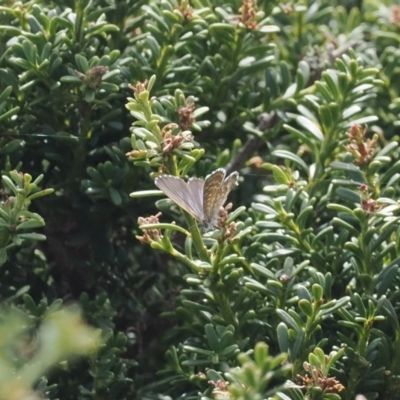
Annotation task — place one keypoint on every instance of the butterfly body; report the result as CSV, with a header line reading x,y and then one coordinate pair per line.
x,y
202,199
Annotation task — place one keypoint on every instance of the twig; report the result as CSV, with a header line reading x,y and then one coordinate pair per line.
x,y
254,143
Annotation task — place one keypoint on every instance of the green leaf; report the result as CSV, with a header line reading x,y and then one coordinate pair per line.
x,y
301,136
146,193
32,236
34,24
214,375
298,344
292,157
10,184
30,51
222,30
29,304
349,195
330,78
30,224
306,308
89,95
282,253
385,278
340,208
302,74
251,64
115,196
323,90
311,127
283,337
302,218
81,63
326,117
288,320
389,148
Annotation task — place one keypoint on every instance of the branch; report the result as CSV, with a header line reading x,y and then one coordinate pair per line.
x,y
254,143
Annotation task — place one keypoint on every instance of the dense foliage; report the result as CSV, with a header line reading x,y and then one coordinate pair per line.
x,y
295,295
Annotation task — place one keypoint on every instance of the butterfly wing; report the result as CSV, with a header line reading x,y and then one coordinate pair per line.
x,y
196,187
216,191
178,191
212,193
230,183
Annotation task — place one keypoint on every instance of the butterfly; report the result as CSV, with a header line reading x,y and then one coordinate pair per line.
x,y
202,199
